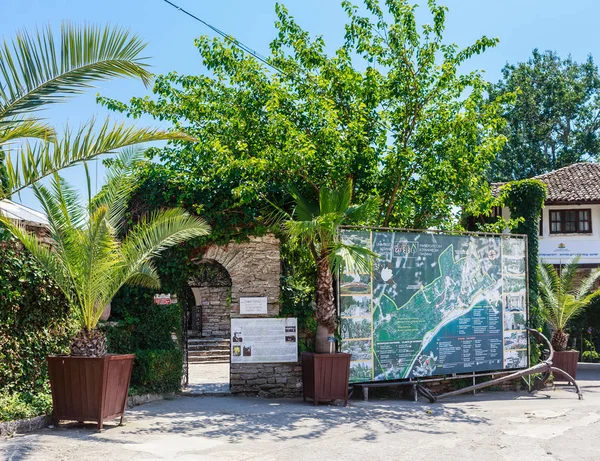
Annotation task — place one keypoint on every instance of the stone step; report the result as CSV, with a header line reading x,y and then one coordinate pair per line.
x,y
205,347
209,359
208,353
209,341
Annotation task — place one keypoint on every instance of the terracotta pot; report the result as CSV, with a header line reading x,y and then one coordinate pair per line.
x,y
566,361
89,388
325,376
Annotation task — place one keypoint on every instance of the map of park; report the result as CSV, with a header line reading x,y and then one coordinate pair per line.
x,y
436,304
461,284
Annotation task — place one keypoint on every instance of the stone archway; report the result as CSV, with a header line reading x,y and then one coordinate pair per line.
x,y
211,287
254,267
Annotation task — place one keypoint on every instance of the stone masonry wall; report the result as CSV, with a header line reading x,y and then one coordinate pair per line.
x,y
215,310
255,269
266,379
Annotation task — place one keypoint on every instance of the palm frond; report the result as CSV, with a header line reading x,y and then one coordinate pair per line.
x,y
363,213
38,160
34,71
587,284
568,274
304,208
335,200
120,183
352,259
161,230
17,130
48,259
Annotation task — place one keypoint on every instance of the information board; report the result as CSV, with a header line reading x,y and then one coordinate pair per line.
x,y
434,304
264,340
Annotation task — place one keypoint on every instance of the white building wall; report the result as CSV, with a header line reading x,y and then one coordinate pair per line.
x,y
561,248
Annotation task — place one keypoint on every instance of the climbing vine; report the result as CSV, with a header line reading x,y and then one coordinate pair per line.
x,y
525,199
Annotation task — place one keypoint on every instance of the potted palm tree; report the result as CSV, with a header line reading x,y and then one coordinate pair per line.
x,y
561,299
89,263
315,224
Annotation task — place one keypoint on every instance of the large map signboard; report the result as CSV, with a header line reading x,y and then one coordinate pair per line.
x,y
434,304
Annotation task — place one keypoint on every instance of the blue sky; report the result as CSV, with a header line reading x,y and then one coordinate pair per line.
x,y
568,27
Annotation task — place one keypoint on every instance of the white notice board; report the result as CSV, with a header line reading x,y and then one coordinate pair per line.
x,y
253,305
264,340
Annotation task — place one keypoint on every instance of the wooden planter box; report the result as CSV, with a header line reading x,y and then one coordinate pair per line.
x,y
325,376
566,361
89,388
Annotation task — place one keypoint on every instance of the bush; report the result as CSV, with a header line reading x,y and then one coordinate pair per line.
x,y
147,330
157,371
34,322
24,405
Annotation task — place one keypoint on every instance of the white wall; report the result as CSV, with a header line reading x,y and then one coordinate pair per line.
x,y
560,248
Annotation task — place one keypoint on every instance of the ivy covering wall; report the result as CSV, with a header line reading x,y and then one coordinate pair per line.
x,y
525,199
34,322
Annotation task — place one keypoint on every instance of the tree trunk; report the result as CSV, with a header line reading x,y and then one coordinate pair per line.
x,y
559,340
326,311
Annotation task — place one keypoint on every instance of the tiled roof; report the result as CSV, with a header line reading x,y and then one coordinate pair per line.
x,y
579,183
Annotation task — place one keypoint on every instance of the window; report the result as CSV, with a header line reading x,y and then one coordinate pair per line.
x,y
570,221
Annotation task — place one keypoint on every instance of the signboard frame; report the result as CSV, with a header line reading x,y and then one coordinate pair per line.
x,y
433,232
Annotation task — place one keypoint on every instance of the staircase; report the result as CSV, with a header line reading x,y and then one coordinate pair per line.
x,y
208,350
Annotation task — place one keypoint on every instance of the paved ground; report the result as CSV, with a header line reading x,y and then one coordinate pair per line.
x,y
208,378
552,425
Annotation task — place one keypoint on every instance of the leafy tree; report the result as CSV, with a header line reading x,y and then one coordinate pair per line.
x,y
35,72
443,135
556,118
388,110
561,298
314,224
86,260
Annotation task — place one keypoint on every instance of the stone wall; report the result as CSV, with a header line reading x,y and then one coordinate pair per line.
x,y
266,379
215,310
254,268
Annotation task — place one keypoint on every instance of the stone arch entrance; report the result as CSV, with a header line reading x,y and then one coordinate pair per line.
x,y
226,273
211,287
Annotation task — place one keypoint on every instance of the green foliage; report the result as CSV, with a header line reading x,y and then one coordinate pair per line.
x,y
562,296
35,72
87,260
553,122
148,330
525,200
157,371
589,355
24,405
389,110
34,320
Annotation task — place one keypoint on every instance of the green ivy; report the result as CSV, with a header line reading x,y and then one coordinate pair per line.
x,y
525,199
34,322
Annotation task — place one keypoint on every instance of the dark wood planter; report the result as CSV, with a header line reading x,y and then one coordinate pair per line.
x,y
325,376
89,388
566,361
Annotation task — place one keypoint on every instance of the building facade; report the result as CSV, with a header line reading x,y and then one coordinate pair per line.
x,y
570,220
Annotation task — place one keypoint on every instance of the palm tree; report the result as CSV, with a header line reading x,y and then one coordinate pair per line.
x,y
35,71
561,298
316,225
87,260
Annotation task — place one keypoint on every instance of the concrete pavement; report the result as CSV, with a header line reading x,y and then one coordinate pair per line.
x,y
551,425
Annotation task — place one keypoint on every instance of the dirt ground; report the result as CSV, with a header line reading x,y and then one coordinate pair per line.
x,y
551,425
